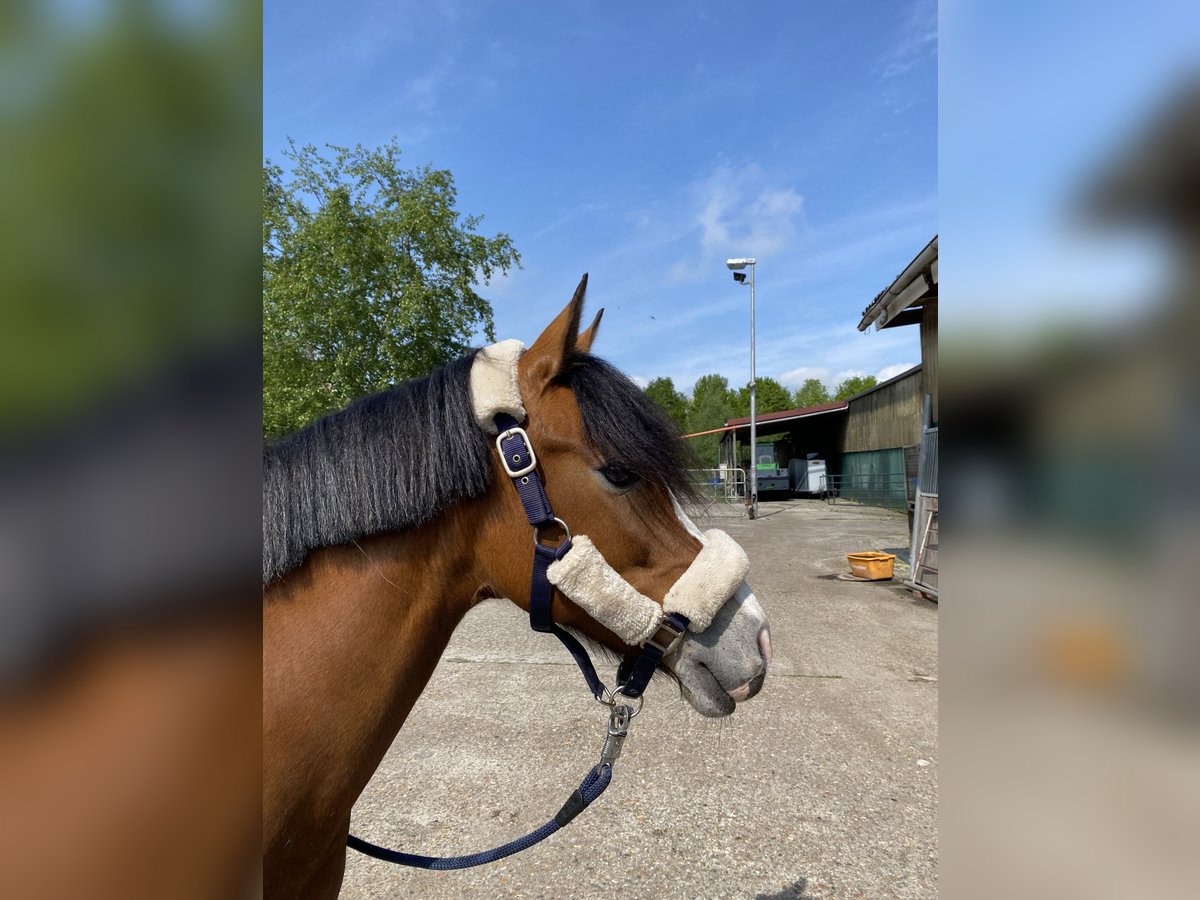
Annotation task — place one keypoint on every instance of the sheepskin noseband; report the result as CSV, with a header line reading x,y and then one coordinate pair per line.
x,y
583,574
591,583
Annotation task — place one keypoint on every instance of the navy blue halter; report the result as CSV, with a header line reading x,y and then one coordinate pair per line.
x,y
520,464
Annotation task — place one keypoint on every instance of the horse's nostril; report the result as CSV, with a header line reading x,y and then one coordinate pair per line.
x,y
756,683
749,689
764,643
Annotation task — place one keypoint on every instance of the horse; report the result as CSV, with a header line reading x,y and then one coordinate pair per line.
x,y
386,522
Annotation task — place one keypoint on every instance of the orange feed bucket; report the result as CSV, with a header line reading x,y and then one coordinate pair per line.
x,y
872,564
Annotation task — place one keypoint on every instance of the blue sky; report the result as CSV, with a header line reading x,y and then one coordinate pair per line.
x,y
646,144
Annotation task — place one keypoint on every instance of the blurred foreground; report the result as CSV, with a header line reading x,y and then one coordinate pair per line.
x,y
130,630
1071,683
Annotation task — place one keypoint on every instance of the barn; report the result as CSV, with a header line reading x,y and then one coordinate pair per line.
x,y
912,299
869,442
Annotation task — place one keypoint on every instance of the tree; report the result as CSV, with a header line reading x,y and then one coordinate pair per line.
x,y
712,403
855,384
811,393
369,277
674,404
769,396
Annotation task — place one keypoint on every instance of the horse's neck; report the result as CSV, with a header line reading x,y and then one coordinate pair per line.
x,y
349,642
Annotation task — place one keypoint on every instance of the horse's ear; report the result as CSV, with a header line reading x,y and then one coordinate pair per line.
x,y
549,353
584,343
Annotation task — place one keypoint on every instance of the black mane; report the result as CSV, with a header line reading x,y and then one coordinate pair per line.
x,y
397,459
387,462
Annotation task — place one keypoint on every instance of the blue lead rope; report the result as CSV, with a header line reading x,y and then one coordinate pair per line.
x,y
593,786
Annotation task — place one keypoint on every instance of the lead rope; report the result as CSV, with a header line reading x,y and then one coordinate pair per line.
x,y
520,464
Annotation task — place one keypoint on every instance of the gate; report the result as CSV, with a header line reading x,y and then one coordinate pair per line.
x,y
887,490
722,493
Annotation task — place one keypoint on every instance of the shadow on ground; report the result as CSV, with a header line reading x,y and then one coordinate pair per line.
x,y
794,891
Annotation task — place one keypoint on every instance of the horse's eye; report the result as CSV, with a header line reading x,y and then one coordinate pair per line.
x,y
618,476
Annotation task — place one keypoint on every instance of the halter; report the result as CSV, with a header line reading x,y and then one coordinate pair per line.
x,y
578,569
557,566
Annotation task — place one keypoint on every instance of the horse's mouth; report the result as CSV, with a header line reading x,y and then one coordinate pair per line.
x,y
704,691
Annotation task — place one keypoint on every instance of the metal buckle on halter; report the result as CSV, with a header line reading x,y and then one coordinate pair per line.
x,y
667,637
523,470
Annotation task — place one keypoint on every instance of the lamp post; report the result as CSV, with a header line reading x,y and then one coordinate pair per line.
x,y
737,265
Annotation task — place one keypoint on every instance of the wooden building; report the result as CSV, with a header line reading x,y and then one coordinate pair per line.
x,y
912,299
880,441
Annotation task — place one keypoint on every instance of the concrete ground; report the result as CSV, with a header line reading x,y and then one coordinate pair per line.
x,y
825,785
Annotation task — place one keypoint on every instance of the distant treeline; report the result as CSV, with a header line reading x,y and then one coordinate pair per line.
x,y
713,402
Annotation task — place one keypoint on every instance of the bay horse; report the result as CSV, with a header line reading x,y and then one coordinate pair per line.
x,y
386,522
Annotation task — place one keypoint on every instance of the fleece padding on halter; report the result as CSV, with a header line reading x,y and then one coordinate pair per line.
x,y
494,387
709,581
596,587
593,585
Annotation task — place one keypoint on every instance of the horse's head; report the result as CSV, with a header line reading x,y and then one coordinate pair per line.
x,y
613,467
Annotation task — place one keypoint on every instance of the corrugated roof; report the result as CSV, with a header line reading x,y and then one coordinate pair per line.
x,y
788,414
906,275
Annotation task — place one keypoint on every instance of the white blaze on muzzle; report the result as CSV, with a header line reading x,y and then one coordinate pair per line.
x,y
591,583
582,574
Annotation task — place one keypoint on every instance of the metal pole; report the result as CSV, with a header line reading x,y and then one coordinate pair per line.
x,y
753,512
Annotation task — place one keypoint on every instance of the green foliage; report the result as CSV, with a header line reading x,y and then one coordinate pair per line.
x,y
811,393
855,384
674,404
127,218
712,403
769,396
368,279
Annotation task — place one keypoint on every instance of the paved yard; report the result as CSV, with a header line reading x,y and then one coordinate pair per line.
x,y
825,785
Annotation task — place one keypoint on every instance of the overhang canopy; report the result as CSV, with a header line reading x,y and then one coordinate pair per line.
x,y
916,285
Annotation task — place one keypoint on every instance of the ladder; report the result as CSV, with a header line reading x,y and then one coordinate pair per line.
x,y
925,563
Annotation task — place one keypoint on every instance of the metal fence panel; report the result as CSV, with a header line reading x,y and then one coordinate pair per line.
x,y
887,490
927,478
722,493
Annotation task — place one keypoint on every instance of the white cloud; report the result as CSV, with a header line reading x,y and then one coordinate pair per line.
x,y
739,212
640,381
794,378
917,40
893,370
742,213
841,376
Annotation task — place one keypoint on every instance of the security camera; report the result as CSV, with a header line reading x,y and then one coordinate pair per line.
x,y
739,277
